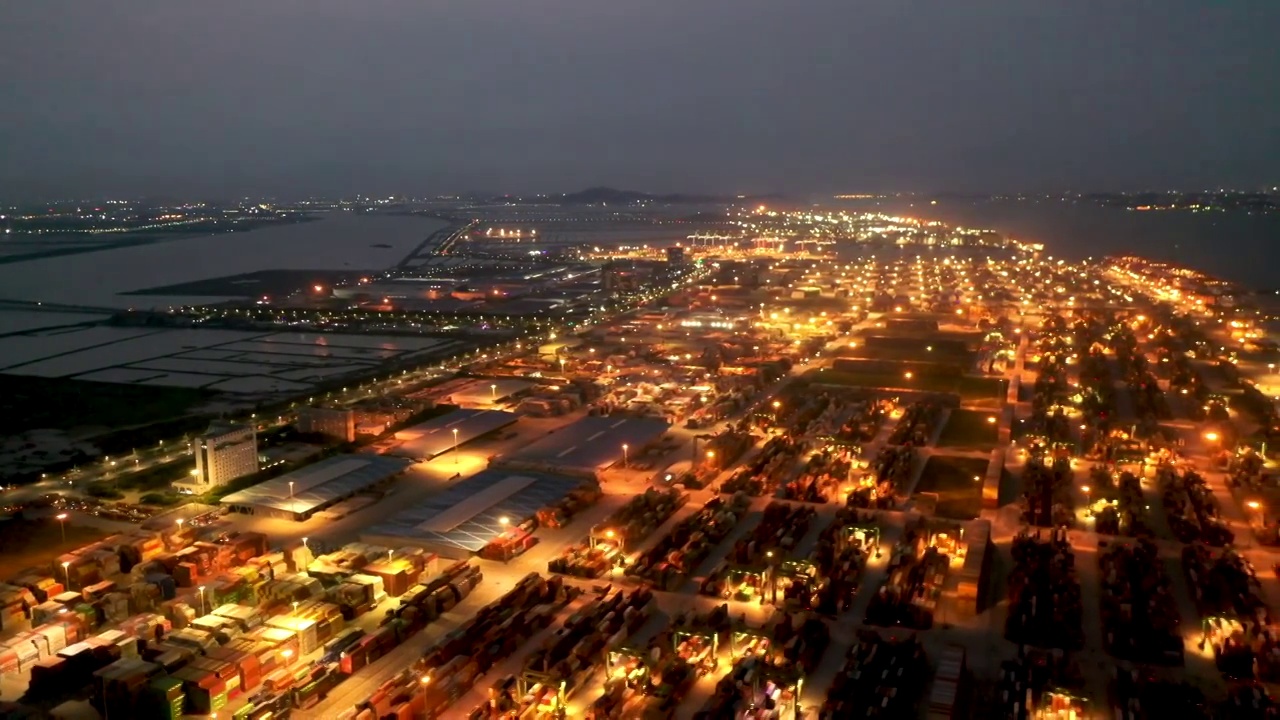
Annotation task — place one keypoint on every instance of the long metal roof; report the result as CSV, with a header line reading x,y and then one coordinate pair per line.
x,y
435,437
592,443
319,484
468,515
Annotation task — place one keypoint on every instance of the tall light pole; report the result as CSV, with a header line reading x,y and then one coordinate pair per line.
x,y
455,446
62,525
290,496
202,610
1256,507
493,392
423,682
624,454
66,573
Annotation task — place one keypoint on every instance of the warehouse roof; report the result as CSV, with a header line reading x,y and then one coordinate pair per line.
x,y
435,436
467,516
321,484
592,443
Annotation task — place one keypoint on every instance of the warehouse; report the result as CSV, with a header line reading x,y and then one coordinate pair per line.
x,y
482,392
300,494
463,519
587,446
440,435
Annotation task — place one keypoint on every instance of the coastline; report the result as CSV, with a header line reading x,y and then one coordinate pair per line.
x,y
1237,247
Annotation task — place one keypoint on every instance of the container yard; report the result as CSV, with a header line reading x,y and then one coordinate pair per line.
x,y
735,506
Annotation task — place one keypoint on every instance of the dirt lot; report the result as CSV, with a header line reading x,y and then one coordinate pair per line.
x,y
959,495
30,543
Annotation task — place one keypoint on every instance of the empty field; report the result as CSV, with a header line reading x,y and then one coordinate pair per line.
x,y
925,354
970,430
958,484
27,402
36,543
981,391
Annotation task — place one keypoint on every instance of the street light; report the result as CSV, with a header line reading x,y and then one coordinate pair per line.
x,y
1211,436
504,521
1088,510
493,392
201,599
1256,507
423,682
455,446
62,525
180,524
624,454
290,494
66,572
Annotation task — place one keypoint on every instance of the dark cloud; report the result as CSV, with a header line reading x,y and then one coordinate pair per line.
x,y
300,96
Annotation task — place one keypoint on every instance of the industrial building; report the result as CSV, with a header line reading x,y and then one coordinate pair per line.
x,y
463,519
336,423
223,453
302,493
586,447
448,432
481,392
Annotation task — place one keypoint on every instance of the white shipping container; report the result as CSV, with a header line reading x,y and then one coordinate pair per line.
x,y
56,636
304,629
379,590
26,651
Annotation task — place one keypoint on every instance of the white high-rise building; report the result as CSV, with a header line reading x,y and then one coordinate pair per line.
x,y
224,453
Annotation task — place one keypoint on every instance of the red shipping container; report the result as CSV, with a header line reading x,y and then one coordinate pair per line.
x,y
213,684
250,680
278,680
354,660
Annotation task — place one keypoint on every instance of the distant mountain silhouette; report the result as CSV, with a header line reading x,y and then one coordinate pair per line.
x,y
613,196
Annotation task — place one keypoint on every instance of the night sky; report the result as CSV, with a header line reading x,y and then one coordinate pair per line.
x,y
293,97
